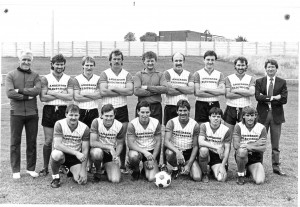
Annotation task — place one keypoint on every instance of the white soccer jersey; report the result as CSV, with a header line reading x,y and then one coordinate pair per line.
x,y
236,83
73,139
88,86
145,137
215,138
116,81
57,86
182,138
209,81
252,135
108,137
181,80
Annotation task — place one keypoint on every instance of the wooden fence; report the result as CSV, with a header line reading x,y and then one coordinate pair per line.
x,y
189,48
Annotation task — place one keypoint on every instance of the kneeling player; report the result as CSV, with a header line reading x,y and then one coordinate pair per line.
x,y
71,147
214,142
144,141
107,142
249,141
181,141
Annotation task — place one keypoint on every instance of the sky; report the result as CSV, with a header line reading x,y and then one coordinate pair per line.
x,y
111,20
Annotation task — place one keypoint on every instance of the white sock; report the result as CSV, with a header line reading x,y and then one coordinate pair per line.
x,y
55,176
241,173
175,168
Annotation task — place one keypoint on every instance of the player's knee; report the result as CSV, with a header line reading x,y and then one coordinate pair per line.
x,y
203,152
242,153
57,155
96,154
221,178
133,156
115,179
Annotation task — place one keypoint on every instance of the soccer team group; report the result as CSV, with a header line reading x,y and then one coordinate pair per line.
x,y
79,139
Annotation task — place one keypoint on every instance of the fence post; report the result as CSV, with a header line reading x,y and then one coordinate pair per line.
x,y
157,46
44,49
242,48
228,48
72,48
171,48
214,46
129,48
256,48
57,46
200,48
87,48
270,48
185,48
100,48
143,47
29,45
16,49
115,44
284,48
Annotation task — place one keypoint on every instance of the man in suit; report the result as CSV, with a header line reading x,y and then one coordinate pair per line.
x,y
271,93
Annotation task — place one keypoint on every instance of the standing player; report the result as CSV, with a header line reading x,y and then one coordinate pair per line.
x,y
271,94
71,147
181,142
149,84
144,142
240,87
87,91
115,85
214,142
22,86
209,84
57,90
249,142
107,142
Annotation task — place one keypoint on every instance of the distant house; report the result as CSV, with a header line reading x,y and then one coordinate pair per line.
x,y
188,35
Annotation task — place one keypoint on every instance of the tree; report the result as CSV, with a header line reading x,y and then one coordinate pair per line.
x,y
129,37
241,39
149,37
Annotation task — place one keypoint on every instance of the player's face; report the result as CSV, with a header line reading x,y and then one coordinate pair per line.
x,y
249,119
25,62
144,114
149,63
271,70
58,67
108,118
215,119
183,113
209,62
178,62
88,68
72,117
116,61
240,67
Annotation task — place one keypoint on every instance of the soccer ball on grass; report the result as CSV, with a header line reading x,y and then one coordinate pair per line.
x,y
162,179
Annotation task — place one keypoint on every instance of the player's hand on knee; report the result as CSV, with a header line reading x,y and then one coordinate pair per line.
x,y
220,151
150,164
116,160
180,158
186,170
149,156
80,156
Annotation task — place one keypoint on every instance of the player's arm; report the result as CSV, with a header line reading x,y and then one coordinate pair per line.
x,y
44,96
120,140
260,144
236,137
32,88
138,90
247,92
66,95
77,96
189,89
131,139
202,139
92,95
171,89
162,88
229,93
195,146
128,90
157,137
281,98
220,90
85,150
10,90
198,90
104,90
227,146
259,95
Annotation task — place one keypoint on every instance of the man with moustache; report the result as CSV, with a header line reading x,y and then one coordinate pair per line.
x,y
22,86
249,142
271,94
149,84
214,146
107,142
57,91
115,85
209,84
181,141
144,142
240,87
71,147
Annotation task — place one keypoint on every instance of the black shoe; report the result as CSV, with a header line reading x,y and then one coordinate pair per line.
x,y
69,174
240,180
97,177
205,178
135,175
164,167
279,172
175,174
55,183
44,172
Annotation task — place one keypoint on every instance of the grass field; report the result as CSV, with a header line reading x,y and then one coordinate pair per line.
x,y
276,191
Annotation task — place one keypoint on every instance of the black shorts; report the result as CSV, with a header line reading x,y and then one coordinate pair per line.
x,y
202,108
70,160
107,157
51,114
170,112
155,111
186,154
232,115
144,159
214,158
88,115
121,114
253,157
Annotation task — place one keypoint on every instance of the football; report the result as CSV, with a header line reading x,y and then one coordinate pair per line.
x,y
162,179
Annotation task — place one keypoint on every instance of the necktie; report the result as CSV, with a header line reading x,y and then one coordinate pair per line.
x,y
270,90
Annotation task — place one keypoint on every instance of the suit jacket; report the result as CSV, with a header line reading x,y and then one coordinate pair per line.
x,y
263,100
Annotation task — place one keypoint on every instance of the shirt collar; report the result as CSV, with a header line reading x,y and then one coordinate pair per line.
x,y
24,71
